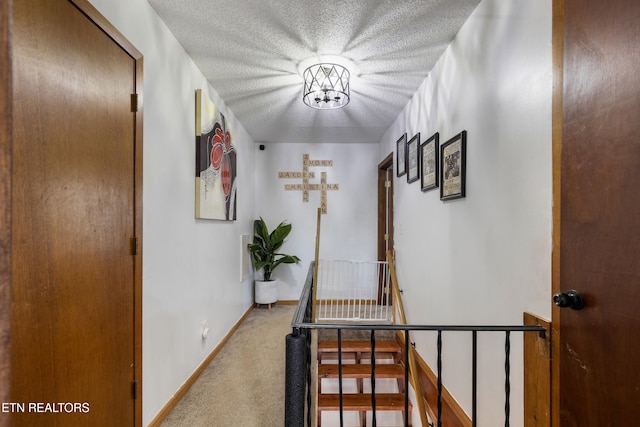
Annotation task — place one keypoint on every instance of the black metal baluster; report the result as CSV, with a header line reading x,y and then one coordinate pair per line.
x,y
307,318
406,378
340,377
373,377
439,378
308,362
507,384
474,381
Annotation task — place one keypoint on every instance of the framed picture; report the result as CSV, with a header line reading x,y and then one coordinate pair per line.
x,y
413,169
429,162
216,166
453,164
401,155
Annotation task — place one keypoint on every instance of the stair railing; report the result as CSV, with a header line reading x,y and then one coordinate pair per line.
x,y
413,369
298,399
298,382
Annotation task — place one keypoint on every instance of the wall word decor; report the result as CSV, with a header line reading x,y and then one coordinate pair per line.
x,y
305,187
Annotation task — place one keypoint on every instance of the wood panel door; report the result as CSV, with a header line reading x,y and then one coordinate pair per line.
x,y
385,207
73,272
5,203
385,219
598,349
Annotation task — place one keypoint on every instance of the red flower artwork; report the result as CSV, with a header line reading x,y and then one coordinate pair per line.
x,y
220,156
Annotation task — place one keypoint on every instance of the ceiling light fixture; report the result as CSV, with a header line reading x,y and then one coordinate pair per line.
x,y
326,86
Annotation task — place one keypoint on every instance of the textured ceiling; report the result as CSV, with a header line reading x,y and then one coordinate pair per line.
x,y
252,52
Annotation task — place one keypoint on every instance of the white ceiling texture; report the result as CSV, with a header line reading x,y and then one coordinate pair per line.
x,y
253,53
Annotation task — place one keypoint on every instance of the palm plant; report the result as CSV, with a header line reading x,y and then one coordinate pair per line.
x,y
265,246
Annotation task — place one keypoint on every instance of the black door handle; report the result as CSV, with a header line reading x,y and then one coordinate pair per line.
x,y
571,299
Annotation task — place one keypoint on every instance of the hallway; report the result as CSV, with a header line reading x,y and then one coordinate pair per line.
x,y
244,384
545,92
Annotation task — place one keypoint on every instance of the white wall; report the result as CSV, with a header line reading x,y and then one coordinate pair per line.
x,y
191,268
348,229
484,259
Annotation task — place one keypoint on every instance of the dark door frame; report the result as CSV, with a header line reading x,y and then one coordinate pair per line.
x,y
556,135
385,212
6,149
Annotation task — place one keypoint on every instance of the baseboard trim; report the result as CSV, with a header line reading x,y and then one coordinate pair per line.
x,y
288,302
452,413
175,399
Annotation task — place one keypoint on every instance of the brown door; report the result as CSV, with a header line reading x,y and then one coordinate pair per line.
x,y
385,206
385,215
599,347
72,354
5,204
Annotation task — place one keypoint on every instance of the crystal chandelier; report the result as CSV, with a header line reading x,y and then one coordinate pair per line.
x,y
326,86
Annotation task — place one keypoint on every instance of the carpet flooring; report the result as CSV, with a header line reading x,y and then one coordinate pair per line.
x,y
243,386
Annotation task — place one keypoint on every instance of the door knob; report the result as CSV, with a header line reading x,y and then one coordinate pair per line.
x,y
571,299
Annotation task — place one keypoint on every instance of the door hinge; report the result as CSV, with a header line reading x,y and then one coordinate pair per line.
x,y
134,390
134,246
386,237
135,102
387,184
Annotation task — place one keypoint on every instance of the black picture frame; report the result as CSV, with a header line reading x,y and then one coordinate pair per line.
x,y
413,160
401,156
429,164
453,167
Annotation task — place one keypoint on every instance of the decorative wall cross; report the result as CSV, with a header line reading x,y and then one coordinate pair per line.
x,y
305,187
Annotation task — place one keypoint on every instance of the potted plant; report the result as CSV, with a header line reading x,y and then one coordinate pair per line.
x,y
265,256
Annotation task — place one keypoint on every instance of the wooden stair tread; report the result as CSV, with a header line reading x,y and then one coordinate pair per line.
x,y
357,357
350,346
361,402
361,371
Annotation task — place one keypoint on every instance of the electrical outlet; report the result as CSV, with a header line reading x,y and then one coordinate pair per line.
x,y
205,330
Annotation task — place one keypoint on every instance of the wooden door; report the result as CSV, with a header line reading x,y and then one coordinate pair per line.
x,y
5,204
73,312
385,216
599,211
385,207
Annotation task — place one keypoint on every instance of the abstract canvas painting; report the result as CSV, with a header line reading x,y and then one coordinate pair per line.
x,y
216,165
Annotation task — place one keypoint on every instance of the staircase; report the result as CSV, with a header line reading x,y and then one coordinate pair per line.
x,y
356,370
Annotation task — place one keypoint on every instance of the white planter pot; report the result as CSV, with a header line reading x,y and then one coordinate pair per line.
x,y
266,291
